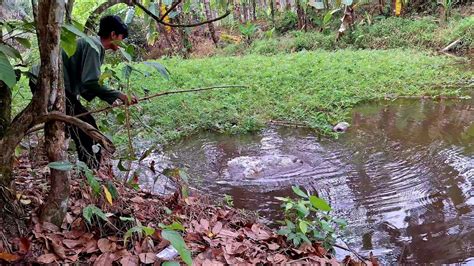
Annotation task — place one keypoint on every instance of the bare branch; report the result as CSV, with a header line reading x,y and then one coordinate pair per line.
x,y
160,20
87,128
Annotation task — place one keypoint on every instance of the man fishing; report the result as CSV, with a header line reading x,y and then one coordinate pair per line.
x,y
81,79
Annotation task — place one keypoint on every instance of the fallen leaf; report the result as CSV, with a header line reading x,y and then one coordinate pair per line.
x,y
129,261
8,257
50,227
217,228
70,243
147,257
277,258
47,258
25,201
108,196
235,248
105,259
91,246
24,245
228,233
106,245
137,199
273,246
204,224
58,249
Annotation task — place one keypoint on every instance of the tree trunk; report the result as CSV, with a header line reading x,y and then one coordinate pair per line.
x,y
50,18
245,10
254,10
300,13
272,8
237,13
207,9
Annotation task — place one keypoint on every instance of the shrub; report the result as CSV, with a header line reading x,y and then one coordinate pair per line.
x,y
286,21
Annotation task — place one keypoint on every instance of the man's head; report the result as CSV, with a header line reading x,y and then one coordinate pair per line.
x,y
111,31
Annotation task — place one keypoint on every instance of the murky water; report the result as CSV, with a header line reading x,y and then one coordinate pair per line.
x,y
402,176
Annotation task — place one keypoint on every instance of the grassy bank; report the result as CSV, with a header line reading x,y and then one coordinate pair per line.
x,y
425,33
317,88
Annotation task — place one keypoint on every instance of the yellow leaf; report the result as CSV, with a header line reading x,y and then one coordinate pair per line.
x,y
398,7
108,196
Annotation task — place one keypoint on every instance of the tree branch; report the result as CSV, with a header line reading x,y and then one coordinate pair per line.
x,y
86,127
160,20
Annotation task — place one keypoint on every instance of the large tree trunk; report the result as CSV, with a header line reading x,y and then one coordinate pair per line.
x,y
50,18
212,30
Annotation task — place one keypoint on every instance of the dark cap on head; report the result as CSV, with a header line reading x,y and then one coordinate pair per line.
x,y
109,24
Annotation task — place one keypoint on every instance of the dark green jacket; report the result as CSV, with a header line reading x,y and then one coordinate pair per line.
x,y
82,72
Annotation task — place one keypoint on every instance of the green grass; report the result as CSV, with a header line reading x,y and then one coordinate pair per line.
x,y
317,88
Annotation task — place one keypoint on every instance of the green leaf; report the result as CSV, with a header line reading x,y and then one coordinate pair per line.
x,y
319,203
129,233
78,32
299,192
302,209
90,210
284,231
23,41
92,181
61,165
112,189
10,51
174,226
327,18
127,71
306,239
7,74
126,55
170,263
148,230
177,242
303,227
282,199
341,222
160,68
68,42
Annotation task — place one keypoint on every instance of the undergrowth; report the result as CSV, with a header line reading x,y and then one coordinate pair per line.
x,y
390,33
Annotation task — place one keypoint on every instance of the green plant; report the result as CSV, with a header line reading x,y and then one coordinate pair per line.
x,y
248,30
307,220
229,201
286,21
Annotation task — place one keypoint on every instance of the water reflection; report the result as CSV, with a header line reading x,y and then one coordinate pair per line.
x,y
402,175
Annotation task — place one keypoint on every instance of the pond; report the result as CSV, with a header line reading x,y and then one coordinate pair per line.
x,y
402,176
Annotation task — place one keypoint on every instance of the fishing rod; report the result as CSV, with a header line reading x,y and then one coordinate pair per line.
x,y
163,93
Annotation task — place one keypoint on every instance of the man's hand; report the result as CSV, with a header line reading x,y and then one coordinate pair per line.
x,y
124,98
